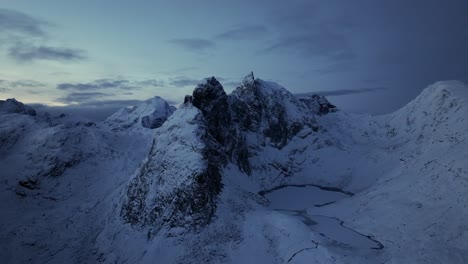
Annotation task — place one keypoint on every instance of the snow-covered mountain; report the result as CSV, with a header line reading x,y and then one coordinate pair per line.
x,y
256,176
151,113
13,106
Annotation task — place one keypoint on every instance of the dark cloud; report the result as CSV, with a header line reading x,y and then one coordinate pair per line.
x,y
28,53
59,73
9,85
16,22
229,82
92,95
92,111
25,39
81,98
110,84
183,81
115,103
181,70
323,44
335,67
244,32
345,91
96,85
151,82
306,30
194,44
26,83
35,91
109,103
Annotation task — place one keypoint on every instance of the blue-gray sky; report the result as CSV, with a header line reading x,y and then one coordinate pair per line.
x,y
367,55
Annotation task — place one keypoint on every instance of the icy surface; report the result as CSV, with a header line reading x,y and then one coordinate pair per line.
x,y
301,197
294,201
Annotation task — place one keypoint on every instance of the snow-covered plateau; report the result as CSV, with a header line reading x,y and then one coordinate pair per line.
x,y
256,176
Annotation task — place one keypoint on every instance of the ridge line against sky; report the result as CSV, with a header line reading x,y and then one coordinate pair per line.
x,y
371,56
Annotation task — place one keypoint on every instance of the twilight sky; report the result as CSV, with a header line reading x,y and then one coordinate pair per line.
x,y
367,55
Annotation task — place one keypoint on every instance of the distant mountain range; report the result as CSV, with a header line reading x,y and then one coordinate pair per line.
x,y
256,176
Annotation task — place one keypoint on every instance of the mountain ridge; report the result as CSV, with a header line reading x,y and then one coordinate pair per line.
x,y
187,192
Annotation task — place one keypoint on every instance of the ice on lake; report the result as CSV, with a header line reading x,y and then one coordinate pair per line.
x,y
295,200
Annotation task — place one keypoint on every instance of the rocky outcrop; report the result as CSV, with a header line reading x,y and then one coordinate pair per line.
x,y
178,183
11,106
318,104
224,134
270,110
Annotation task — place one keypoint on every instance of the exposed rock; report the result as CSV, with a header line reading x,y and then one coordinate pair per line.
x,y
318,104
11,106
212,101
30,184
171,189
268,109
188,99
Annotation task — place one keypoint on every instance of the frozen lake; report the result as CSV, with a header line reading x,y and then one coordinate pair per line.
x,y
294,200
299,197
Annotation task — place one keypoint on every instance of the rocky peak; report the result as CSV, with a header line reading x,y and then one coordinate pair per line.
x,y
11,106
211,99
270,110
248,80
209,95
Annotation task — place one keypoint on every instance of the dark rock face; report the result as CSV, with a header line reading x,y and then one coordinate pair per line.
x,y
189,206
212,101
188,99
167,193
11,106
152,123
271,111
319,104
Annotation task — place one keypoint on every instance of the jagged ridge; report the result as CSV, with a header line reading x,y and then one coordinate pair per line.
x,y
217,124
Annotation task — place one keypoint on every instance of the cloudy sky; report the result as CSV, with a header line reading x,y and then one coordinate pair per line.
x,y
367,55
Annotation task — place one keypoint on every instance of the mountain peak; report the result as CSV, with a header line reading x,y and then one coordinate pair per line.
x,y
12,105
248,79
208,94
151,113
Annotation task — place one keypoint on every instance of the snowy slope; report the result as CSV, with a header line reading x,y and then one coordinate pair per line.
x,y
55,179
151,113
207,185
417,208
10,106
